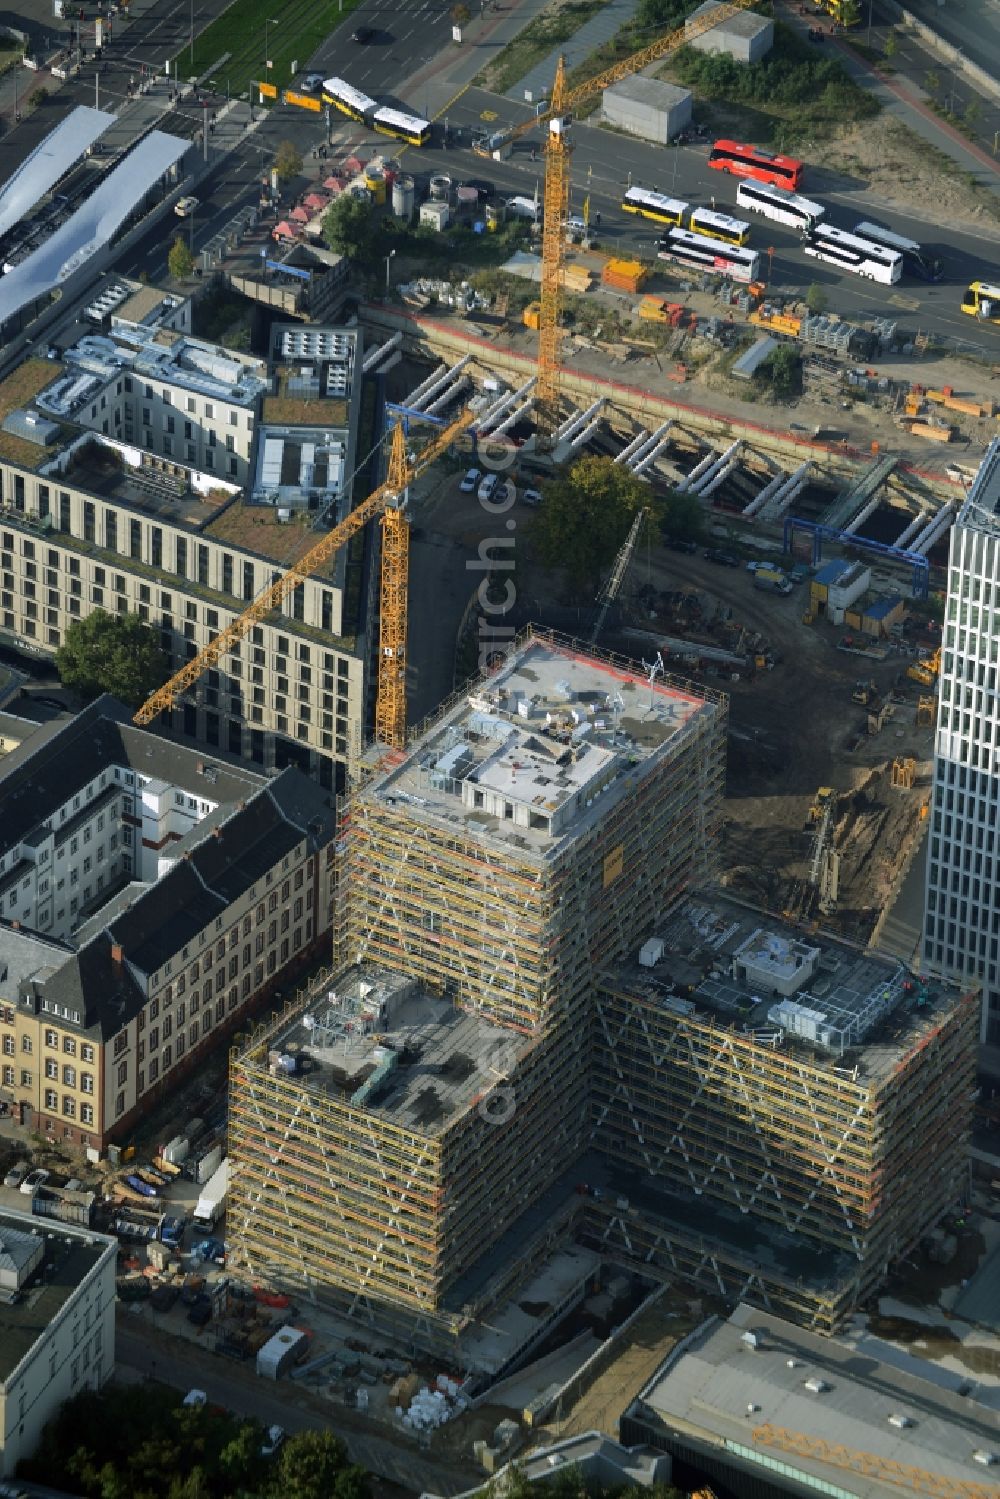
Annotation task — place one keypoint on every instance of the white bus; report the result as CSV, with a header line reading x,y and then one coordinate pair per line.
x,y
402,127
350,101
718,226
915,260
779,204
859,256
702,254
656,206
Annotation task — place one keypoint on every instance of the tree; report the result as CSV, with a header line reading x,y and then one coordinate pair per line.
x,y
973,112
932,81
460,14
891,46
347,228
113,653
683,518
36,97
180,261
782,368
313,1465
287,161
816,299
586,517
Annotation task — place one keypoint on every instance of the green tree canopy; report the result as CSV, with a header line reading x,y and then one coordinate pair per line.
x,y
287,160
313,1465
816,298
114,653
682,518
586,517
347,228
783,369
180,261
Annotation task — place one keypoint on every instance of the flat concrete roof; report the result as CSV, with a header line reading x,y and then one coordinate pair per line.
x,y
743,23
534,756
844,1006
49,162
68,1256
382,1042
92,226
820,1388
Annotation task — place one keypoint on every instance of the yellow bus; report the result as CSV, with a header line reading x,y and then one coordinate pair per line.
x,y
982,300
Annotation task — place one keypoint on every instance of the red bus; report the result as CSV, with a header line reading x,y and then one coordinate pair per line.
x,y
750,161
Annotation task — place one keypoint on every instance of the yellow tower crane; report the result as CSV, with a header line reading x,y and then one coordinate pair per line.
x,y
870,1465
387,501
558,157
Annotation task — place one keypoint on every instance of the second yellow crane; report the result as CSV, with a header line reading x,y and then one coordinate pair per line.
x,y
387,501
558,157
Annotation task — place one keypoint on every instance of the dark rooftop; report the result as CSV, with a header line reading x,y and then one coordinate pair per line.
x,y
69,1256
61,757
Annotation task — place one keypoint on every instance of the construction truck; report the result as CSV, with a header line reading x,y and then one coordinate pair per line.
x,y
497,147
771,580
823,797
864,693
842,12
926,670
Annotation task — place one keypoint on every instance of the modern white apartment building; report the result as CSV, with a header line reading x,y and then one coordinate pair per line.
x,y
962,916
57,1324
147,471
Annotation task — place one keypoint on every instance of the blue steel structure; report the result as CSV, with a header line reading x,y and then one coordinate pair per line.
x,y
821,533
394,409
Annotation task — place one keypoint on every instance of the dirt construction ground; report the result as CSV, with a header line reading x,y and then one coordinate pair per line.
x,y
792,729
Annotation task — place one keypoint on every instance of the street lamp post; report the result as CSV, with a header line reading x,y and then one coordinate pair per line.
x,y
192,34
388,262
267,57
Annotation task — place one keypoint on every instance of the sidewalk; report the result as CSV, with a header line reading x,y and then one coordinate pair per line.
x,y
440,83
902,97
576,49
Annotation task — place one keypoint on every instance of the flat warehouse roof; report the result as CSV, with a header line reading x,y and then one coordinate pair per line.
x,y
49,162
93,224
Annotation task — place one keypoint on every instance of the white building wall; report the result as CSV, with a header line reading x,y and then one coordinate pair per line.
x,y
962,913
76,1351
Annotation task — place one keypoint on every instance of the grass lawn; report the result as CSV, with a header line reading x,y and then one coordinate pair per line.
x,y
555,25
240,32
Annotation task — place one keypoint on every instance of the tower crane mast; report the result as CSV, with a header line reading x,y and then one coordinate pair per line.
x,y
616,577
387,500
558,159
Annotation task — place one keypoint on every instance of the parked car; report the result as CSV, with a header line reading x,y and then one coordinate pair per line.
x,y
311,82
483,188
675,545
185,207
15,1176
363,35
470,481
721,558
488,485
532,497
33,1181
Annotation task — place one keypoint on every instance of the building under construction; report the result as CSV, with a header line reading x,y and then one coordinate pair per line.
x,y
538,1038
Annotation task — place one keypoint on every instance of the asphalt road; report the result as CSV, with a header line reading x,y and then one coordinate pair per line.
x,y
604,162
408,35
144,1349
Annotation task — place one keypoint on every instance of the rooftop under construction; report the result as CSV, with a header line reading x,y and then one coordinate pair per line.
x,y
539,1036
